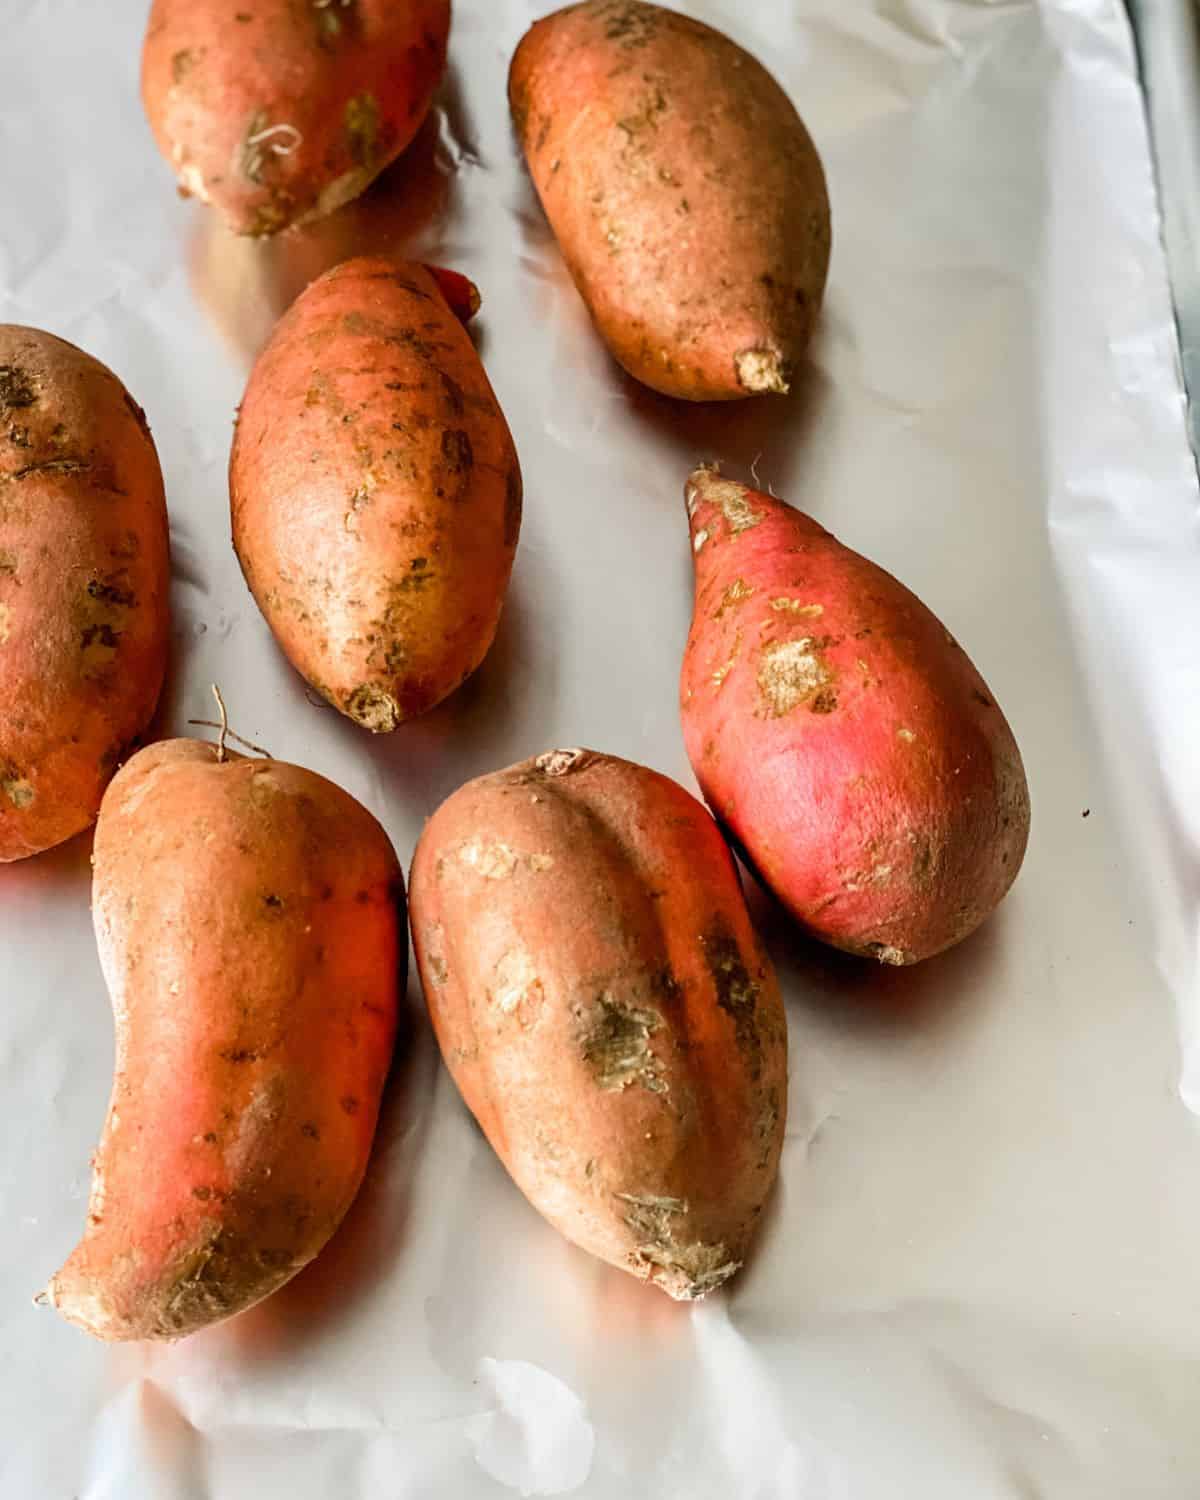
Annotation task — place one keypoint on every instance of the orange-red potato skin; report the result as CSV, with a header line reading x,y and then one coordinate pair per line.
x,y
684,191
375,491
84,586
842,735
604,1006
250,921
279,111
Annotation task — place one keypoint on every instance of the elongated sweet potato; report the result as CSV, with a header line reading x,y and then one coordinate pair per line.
x,y
249,916
84,582
604,1006
278,111
684,191
842,735
376,492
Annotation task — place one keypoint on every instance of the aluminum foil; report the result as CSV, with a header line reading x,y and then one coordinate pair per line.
x,y
977,1277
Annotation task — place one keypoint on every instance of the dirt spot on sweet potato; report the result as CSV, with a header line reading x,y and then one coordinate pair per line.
x,y
362,129
516,989
791,673
374,708
333,19
15,787
614,1041
561,762
17,387
736,594
737,991
8,565
458,453
106,591
182,64
685,1269
628,23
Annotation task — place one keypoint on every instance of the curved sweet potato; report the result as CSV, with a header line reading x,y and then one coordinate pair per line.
x,y
684,191
278,111
84,584
603,1004
376,492
249,916
842,735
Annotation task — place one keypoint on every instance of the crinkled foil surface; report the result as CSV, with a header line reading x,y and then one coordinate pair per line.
x,y
978,1277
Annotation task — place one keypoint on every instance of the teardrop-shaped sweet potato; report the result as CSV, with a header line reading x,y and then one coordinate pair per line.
x,y
279,111
375,490
606,1010
249,916
84,586
842,735
685,193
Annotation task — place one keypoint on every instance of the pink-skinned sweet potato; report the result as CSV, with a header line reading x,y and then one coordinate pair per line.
x,y
841,734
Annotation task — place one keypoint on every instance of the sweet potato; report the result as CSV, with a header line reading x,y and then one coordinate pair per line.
x,y
604,1006
249,917
84,582
376,492
279,111
841,734
685,193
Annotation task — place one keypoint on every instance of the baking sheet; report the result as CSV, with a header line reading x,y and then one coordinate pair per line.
x,y
977,1278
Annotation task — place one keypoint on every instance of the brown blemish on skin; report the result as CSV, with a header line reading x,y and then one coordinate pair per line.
x,y
18,791
791,673
906,735
111,594
794,607
614,1040
8,564
350,1104
362,129
737,992
181,65
17,388
887,954
457,451
825,702
5,623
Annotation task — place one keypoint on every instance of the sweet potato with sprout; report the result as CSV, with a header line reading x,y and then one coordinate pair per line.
x,y
249,916
841,734
279,111
685,193
605,1008
375,490
84,581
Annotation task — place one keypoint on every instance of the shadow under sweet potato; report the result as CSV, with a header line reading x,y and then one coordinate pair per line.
x,y
364,1248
